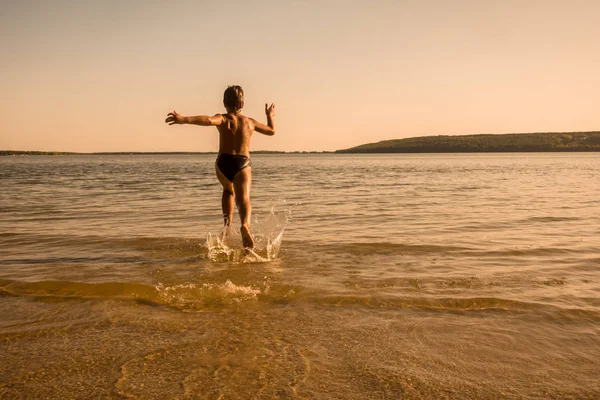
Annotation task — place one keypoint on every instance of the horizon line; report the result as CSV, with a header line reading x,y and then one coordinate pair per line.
x,y
120,152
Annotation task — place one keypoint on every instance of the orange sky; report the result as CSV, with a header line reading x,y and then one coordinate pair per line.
x,y
90,76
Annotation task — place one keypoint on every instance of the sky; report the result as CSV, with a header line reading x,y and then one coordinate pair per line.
x,y
92,76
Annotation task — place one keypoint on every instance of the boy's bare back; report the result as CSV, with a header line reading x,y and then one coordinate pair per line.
x,y
234,134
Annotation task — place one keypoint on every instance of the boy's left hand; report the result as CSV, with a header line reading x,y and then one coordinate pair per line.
x,y
270,110
174,118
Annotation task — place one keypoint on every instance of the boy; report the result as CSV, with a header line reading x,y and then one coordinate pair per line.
x,y
233,162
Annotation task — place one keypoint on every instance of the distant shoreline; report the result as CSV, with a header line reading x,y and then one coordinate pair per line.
x,y
544,142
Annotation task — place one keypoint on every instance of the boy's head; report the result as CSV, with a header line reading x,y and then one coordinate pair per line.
x,y
233,98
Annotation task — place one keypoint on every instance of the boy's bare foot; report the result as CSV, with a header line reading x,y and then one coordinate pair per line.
x,y
247,240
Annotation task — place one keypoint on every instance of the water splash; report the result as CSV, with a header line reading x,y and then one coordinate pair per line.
x,y
191,296
226,246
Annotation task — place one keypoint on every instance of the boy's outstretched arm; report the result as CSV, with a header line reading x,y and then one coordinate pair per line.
x,y
204,120
270,128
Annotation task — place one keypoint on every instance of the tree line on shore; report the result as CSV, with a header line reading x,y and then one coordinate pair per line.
x,y
512,142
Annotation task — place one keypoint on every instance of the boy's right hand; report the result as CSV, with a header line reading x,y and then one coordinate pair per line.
x,y
174,118
270,110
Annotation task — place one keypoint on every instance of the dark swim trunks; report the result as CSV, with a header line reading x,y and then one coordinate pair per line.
x,y
230,164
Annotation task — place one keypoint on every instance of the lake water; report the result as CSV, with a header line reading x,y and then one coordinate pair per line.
x,y
462,276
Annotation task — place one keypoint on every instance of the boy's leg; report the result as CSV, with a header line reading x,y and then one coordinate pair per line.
x,y
228,198
227,202
242,183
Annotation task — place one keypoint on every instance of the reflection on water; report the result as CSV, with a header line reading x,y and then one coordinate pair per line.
x,y
389,276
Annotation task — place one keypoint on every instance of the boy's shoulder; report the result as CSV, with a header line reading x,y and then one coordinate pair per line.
x,y
232,115
237,116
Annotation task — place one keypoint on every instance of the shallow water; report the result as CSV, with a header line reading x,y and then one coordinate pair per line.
x,y
376,276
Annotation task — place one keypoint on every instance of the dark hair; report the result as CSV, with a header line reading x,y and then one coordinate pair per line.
x,y
233,97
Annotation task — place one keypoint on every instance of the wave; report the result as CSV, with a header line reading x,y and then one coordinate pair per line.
x,y
474,250
200,296
226,247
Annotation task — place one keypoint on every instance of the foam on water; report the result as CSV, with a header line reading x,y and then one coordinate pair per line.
x,y
226,246
191,295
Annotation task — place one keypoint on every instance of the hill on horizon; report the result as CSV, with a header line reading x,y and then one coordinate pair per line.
x,y
510,142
